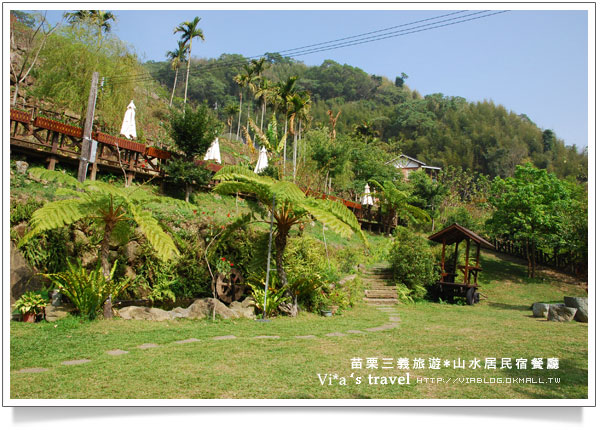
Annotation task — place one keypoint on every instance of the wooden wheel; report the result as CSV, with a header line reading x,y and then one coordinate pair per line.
x,y
231,288
471,296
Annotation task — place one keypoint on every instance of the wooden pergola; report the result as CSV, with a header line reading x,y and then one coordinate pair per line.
x,y
447,285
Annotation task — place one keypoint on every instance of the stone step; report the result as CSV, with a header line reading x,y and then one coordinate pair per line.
x,y
382,288
381,294
380,301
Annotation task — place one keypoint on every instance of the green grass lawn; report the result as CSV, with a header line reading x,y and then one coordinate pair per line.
x,y
244,367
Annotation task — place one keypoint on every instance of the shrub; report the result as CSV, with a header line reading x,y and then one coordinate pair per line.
x,y
274,297
87,290
30,302
413,262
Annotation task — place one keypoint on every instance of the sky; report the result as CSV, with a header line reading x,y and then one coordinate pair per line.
x,y
530,61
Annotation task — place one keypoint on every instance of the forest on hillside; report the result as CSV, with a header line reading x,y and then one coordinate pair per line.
x,y
441,130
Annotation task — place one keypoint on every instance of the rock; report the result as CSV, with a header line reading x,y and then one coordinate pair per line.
x,y
129,272
80,237
22,167
56,298
58,312
347,279
20,229
540,310
143,313
179,313
203,308
132,251
561,313
88,258
581,304
22,277
242,311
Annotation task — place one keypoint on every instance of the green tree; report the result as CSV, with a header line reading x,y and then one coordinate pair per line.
x,y
189,31
99,21
289,206
395,203
527,208
192,131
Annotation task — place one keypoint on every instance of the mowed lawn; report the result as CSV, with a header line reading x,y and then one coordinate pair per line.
x,y
501,326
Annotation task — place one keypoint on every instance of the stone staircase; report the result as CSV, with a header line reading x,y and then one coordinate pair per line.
x,y
379,286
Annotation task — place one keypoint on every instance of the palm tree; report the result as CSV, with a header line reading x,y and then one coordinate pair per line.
x,y
176,57
104,203
394,204
231,110
190,31
289,206
285,91
97,18
299,105
261,86
244,80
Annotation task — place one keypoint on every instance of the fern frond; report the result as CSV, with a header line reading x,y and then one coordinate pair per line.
x,y
262,192
68,192
287,192
335,215
159,240
54,176
55,214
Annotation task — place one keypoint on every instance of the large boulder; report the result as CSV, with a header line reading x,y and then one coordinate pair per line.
x,y
540,310
203,308
56,312
21,167
243,309
143,313
179,313
581,304
561,313
22,277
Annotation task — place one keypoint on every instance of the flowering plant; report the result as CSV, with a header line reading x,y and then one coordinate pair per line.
x,y
224,266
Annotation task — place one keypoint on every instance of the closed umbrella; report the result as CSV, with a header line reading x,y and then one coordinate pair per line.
x,y
262,162
367,199
128,127
214,153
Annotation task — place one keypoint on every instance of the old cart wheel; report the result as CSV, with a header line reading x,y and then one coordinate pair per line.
x,y
230,288
471,296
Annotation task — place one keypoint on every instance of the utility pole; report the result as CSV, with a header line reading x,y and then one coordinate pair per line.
x,y
86,143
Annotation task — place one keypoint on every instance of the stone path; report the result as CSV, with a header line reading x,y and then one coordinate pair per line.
x,y
394,321
380,289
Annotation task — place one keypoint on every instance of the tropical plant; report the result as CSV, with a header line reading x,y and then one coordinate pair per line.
x,y
109,206
274,298
30,302
244,80
176,57
189,31
289,206
98,20
87,290
395,203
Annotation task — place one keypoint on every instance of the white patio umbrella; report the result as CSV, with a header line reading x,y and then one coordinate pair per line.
x,y
262,162
367,199
128,127
214,153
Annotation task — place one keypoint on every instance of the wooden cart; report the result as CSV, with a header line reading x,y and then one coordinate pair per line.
x,y
459,280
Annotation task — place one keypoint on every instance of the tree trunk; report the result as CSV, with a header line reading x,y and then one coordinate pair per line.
x,y
295,153
188,191
239,117
280,244
187,76
285,145
174,86
14,100
104,252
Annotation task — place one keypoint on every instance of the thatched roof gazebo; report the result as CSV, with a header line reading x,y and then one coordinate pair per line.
x,y
447,286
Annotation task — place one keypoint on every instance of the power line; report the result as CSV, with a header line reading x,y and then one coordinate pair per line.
x,y
217,66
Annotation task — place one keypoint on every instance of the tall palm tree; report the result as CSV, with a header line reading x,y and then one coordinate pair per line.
x,y
258,67
289,206
98,18
285,91
231,110
299,105
189,31
176,57
244,80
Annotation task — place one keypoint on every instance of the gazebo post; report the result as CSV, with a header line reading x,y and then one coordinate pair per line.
x,y
443,258
467,261
455,256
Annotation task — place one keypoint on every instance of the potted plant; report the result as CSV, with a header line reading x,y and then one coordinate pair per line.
x,y
29,305
324,304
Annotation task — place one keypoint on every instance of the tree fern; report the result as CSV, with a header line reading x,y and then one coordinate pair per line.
x,y
54,176
54,215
